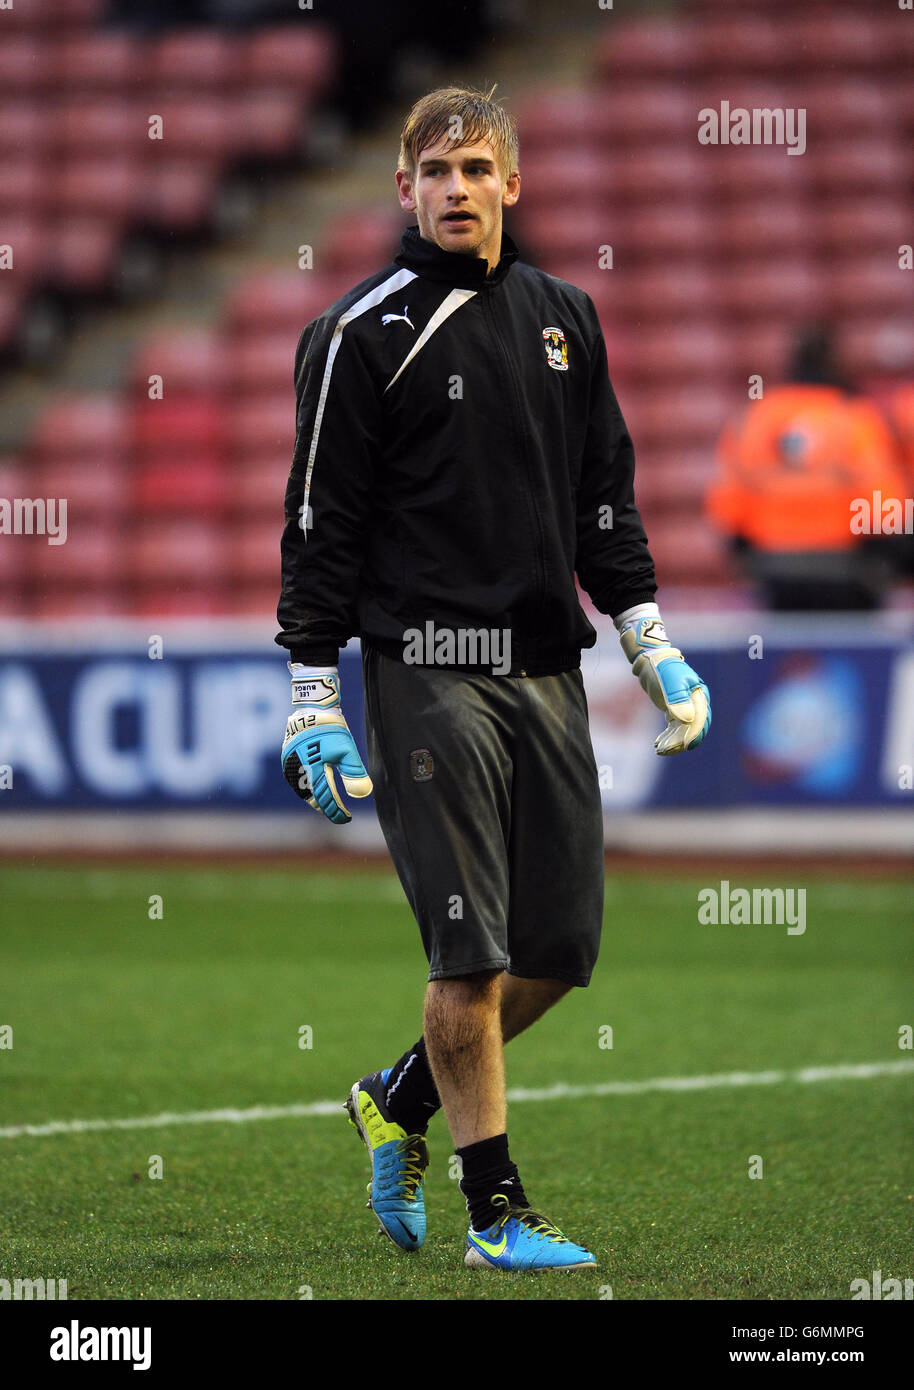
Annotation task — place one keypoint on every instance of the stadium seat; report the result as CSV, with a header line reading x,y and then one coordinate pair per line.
x,y
187,486
878,345
97,487
359,246
299,57
271,124
263,364
254,552
263,423
189,361
766,228
670,230
867,225
182,425
788,289
107,186
639,113
282,299
202,61
25,64
83,252
866,284
256,485
650,47
179,551
178,194
97,61
91,426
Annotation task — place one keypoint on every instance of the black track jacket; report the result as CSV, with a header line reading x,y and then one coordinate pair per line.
x,y
459,456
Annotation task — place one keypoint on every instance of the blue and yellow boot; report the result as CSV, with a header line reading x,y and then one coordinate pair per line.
x,y
522,1239
398,1161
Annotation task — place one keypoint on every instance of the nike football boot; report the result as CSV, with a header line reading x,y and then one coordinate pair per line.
x,y
398,1161
522,1239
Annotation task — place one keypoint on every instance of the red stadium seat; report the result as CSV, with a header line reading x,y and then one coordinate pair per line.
x,y
674,230
97,61
638,113
848,106
83,252
360,246
560,121
739,45
271,124
687,551
263,423
652,47
27,184
94,556
829,39
96,488
689,350
201,61
254,550
264,363
869,284
789,290
89,426
662,292
556,177
109,185
767,227
680,170
882,345
279,299
180,551
677,417
854,168
116,124
256,485
25,64
26,127
876,224
178,194
553,234
182,486
300,57
180,425
188,361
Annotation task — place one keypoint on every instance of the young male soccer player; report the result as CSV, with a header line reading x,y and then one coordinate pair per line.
x,y
460,455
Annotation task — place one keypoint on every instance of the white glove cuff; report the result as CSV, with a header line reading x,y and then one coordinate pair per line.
x,y
631,615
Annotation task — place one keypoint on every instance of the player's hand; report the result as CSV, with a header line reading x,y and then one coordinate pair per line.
x,y
676,690
318,745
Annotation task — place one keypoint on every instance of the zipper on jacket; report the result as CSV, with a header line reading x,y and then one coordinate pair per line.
x,y
540,547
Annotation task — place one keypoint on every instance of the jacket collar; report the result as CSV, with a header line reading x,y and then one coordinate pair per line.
x,y
465,272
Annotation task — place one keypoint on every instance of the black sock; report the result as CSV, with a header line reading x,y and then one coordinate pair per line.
x,y
488,1172
411,1095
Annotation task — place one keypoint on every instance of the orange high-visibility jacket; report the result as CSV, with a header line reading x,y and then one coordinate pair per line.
x,y
793,463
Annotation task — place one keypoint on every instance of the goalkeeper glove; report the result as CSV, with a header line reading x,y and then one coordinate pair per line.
x,y
318,743
673,686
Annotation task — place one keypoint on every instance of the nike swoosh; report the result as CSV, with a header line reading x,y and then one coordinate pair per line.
x,y
493,1250
409,1234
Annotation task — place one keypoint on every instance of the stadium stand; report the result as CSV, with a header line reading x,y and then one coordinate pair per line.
x,y
718,254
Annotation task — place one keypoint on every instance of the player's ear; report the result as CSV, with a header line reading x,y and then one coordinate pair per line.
x,y
512,191
405,191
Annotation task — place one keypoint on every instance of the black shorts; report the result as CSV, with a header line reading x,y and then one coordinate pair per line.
x,y
487,793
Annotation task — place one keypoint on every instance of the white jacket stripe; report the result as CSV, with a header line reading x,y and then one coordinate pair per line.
x,y
444,311
371,300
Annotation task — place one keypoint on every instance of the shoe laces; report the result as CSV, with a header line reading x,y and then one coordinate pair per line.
x,y
535,1223
415,1162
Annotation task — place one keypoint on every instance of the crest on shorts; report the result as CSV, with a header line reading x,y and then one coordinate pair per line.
x,y
421,764
556,349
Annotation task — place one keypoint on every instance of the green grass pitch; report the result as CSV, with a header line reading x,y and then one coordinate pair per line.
x,y
116,1014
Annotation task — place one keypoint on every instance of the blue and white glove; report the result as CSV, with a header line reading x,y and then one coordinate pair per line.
x,y
318,744
676,690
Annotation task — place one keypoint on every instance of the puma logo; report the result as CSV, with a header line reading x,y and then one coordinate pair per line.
x,y
392,318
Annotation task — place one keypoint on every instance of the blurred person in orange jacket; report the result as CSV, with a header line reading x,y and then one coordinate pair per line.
x,y
805,472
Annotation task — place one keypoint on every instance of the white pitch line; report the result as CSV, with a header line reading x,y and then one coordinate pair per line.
x,y
861,1071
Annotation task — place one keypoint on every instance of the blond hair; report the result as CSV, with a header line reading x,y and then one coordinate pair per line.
x,y
467,117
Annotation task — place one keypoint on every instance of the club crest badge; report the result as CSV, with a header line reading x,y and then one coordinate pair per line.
x,y
556,349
